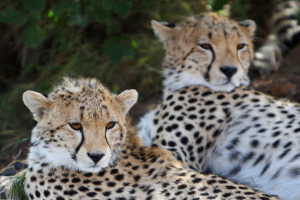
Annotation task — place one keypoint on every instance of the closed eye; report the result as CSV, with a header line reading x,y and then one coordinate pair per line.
x,y
205,46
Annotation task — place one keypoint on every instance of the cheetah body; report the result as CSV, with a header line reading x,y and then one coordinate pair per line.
x,y
81,148
240,134
256,144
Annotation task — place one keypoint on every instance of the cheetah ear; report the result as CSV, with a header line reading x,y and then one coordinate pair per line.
x,y
37,103
127,99
249,25
166,32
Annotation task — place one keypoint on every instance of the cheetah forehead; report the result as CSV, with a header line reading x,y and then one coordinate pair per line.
x,y
212,25
77,86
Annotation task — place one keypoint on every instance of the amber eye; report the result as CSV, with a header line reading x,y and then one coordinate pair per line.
x,y
240,46
75,126
205,46
110,125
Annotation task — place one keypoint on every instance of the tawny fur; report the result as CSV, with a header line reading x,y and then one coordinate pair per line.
x,y
132,171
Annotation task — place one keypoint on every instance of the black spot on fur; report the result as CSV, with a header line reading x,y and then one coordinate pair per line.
x,y
221,96
37,194
184,140
254,143
46,193
119,177
70,192
189,127
91,194
179,107
260,158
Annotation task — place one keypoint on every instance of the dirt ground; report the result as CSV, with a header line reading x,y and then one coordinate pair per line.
x,y
284,83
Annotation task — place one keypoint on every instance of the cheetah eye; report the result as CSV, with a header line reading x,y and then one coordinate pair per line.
x,y
205,46
76,126
240,46
110,125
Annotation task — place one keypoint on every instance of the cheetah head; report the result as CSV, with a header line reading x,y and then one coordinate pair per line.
x,y
206,50
80,125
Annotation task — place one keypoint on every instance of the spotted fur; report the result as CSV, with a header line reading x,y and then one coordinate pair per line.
x,y
242,135
208,50
60,165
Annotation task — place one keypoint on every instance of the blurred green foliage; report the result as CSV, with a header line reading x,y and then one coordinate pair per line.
x,y
112,40
42,19
43,40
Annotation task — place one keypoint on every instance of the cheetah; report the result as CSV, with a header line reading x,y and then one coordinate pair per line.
x,y
83,148
241,134
206,50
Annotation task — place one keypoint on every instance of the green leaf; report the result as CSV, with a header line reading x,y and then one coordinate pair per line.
x,y
11,16
65,7
8,15
34,16
115,53
32,5
64,47
20,21
31,35
128,51
56,11
114,49
76,19
108,43
123,8
134,44
116,89
108,4
75,16
99,14
218,4
50,13
144,60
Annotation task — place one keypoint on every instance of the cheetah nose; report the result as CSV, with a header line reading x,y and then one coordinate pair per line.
x,y
229,71
96,156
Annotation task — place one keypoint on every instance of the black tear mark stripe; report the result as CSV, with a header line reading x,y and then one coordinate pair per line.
x,y
189,53
206,76
81,142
